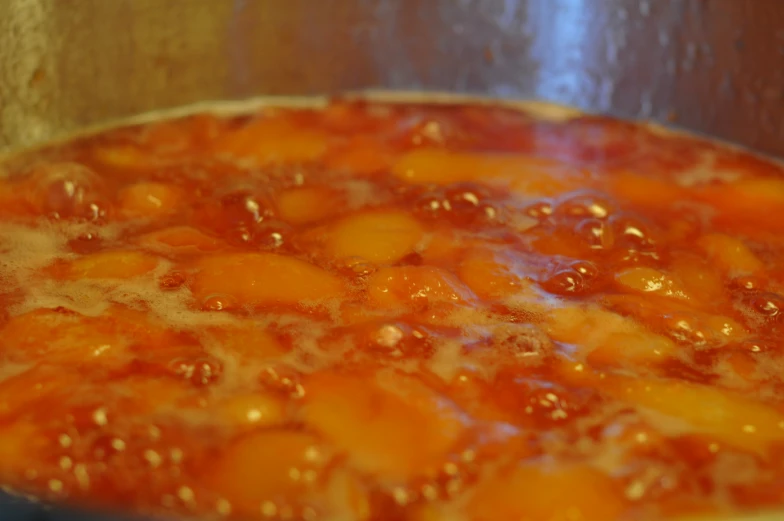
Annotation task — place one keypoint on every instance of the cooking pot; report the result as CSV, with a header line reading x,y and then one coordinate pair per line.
x,y
712,67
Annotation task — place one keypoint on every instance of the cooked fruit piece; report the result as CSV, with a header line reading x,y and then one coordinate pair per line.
x,y
263,278
272,140
546,492
389,425
307,204
251,410
148,200
247,340
607,338
408,286
61,337
731,255
528,176
489,276
268,467
728,417
112,265
378,237
180,239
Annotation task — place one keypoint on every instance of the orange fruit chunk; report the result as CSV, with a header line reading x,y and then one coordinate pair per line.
x,y
263,278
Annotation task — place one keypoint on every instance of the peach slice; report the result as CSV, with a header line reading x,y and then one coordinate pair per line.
x,y
644,191
411,285
649,280
263,278
272,139
251,410
62,338
606,337
378,237
268,467
389,425
489,276
730,418
536,492
307,204
112,265
180,239
247,341
529,175
360,156
127,157
730,254
20,392
148,199
745,205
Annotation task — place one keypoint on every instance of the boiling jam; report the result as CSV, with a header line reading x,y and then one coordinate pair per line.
x,y
380,311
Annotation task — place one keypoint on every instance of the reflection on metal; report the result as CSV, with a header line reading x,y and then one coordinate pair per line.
x,y
714,67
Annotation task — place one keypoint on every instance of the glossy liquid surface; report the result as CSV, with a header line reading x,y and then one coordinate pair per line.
x,y
381,311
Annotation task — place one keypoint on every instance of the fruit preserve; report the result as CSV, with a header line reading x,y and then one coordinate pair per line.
x,y
377,311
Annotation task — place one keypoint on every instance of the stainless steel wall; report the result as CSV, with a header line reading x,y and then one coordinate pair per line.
x,y
715,66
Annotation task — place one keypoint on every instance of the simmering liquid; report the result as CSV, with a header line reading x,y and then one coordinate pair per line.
x,y
381,311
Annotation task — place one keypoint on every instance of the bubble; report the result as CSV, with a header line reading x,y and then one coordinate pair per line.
x,y
283,380
585,205
67,190
521,340
631,233
243,209
539,210
767,304
199,371
172,280
219,303
388,336
462,204
571,279
747,283
597,234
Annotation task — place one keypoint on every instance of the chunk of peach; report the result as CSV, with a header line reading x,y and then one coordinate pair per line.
x,y
537,492
148,199
360,156
677,316
263,278
126,157
730,254
441,245
394,427
379,237
279,466
62,338
489,276
733,419
644,191
22,445
272,139
606,337
248,341
698,279
307,204
247,411
180,239
531,175
153,394
406,286
112,265
649,280
746,203
18,393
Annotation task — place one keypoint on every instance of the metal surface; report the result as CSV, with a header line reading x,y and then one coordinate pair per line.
x,y
712,66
